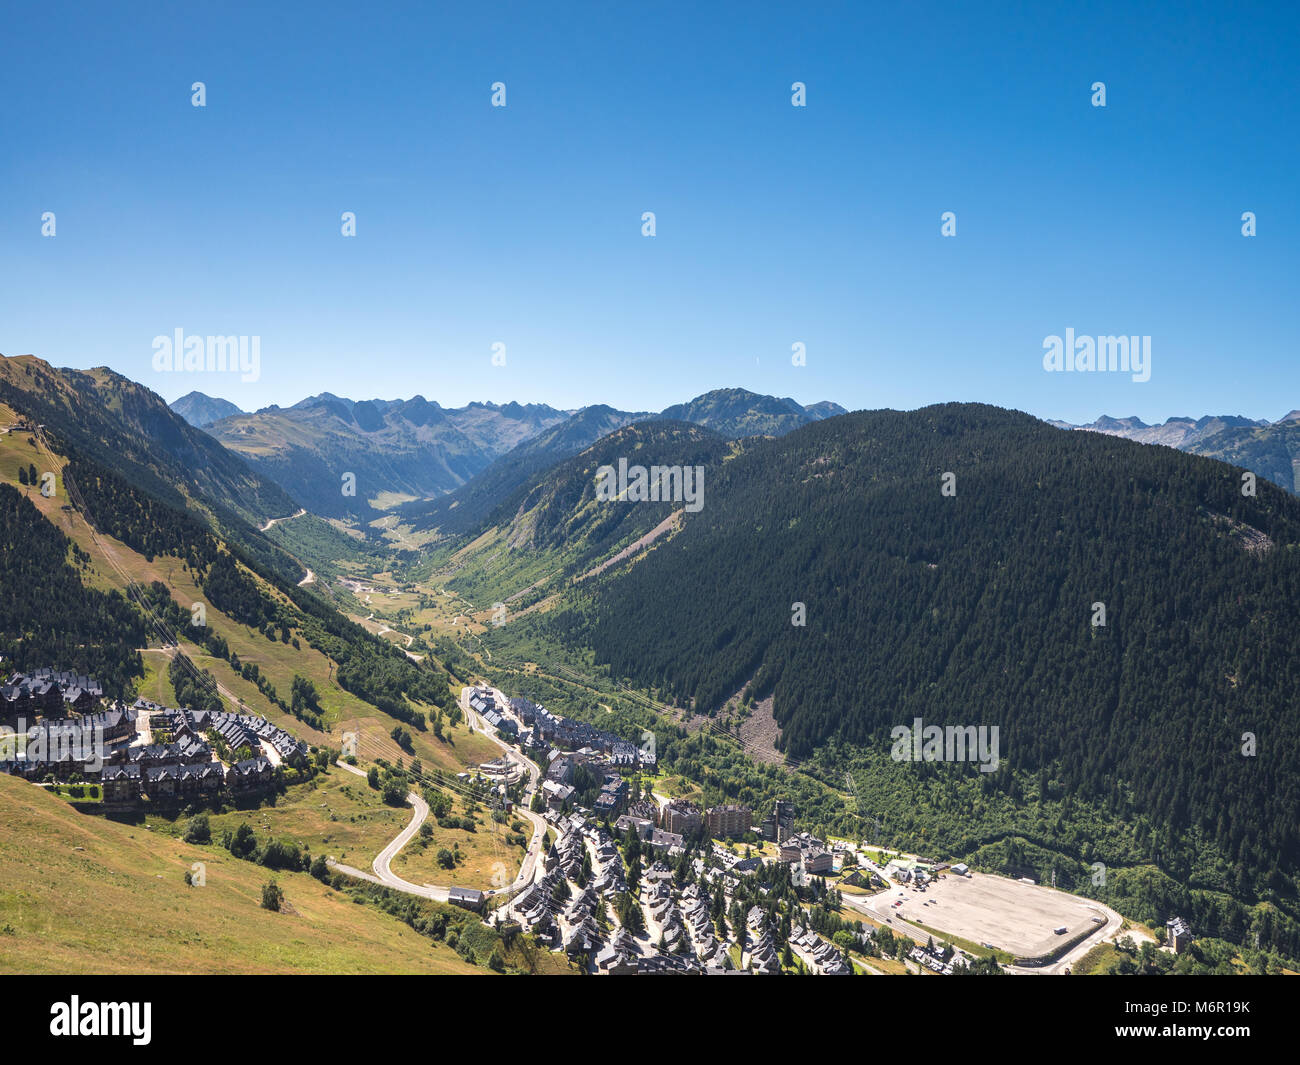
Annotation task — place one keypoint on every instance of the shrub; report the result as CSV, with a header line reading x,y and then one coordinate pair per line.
x,y
198,830
272,896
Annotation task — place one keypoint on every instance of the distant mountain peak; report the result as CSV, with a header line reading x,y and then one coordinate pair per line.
x,y
738,412
201,410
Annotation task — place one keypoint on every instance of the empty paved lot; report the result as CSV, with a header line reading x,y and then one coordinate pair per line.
x,y
991,909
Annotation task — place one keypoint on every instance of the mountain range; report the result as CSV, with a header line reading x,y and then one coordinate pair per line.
x,y
847,573
1269,449
404,450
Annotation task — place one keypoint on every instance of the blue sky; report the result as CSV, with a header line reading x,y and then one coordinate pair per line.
x,y
775,224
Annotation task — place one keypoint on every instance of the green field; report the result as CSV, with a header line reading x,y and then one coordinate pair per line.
x,y
122,906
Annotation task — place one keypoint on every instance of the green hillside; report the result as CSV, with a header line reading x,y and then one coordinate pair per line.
x,y
978,609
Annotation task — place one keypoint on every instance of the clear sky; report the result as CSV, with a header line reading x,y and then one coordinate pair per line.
x,y
774,224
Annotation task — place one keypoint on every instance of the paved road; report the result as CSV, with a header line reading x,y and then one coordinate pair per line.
x,y
528,868
382,864
1110,930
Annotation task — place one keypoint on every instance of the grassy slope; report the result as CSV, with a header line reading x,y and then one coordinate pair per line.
x,y
336,814
121,905
342,710
484,857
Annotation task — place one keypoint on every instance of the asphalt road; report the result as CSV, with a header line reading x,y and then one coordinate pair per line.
x,y
382,865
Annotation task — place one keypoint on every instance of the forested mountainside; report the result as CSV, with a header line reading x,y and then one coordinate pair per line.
x,y
730,412
128,428
368,666
978,608
57,617
416,450
1271,451
49,615
559,509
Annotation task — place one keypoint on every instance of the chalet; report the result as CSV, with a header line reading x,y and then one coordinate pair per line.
x,y
115,724
47,697
15,699
557,795
613,794
291,751
78,700
155,754
1178,934
669,965
161,781
251,774
560,769
469,898
191,750
64,747
669,841
614,961
642,826
121,783
817,861
763,956
644,808
203,778
809,851
68,679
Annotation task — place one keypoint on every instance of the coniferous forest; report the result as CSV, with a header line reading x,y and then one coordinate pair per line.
x,y
50,617
983,608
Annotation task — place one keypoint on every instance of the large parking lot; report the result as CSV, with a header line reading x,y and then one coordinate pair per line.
x,y
1010,915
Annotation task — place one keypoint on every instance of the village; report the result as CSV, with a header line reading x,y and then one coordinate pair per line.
x,y
57,732
624,879
642,883
719,890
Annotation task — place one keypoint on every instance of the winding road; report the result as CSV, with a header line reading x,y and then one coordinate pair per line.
x,y
382,865
276,521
